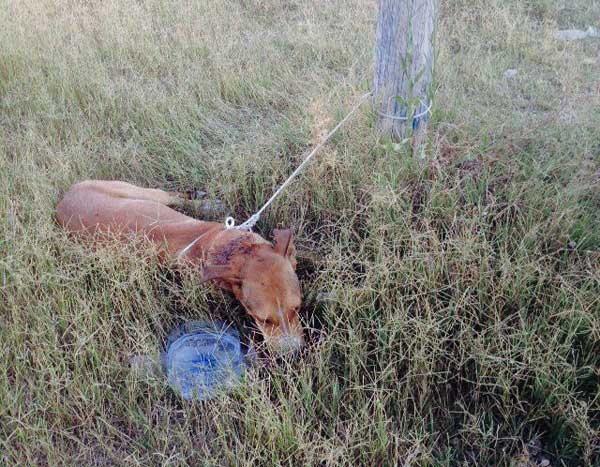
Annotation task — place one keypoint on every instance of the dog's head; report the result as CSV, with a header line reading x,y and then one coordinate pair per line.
x,y
266,284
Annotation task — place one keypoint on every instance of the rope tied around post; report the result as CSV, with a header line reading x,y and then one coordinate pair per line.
x,y
416,116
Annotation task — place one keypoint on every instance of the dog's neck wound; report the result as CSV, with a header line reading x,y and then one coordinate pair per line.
x,y
223,254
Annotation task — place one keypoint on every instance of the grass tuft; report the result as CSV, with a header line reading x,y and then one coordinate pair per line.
x,y
463,325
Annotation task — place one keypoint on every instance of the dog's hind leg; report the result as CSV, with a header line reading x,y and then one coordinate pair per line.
x,y
124,190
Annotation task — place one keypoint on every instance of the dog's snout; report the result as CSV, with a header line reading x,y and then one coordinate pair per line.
x,y
287,345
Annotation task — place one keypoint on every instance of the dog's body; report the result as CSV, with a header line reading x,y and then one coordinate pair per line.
x,y
261,276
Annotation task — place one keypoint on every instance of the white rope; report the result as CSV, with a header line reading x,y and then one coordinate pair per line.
x,y
251,222
186,249
419,115
254,218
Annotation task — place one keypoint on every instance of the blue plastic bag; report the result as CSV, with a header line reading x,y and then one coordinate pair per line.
x,y
202,359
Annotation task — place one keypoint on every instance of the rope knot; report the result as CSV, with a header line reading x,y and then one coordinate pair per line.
x,y
248,225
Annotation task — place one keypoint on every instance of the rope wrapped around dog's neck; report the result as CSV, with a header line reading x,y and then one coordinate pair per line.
x,y
254,218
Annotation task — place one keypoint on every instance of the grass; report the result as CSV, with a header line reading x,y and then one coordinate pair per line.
x,y
465,329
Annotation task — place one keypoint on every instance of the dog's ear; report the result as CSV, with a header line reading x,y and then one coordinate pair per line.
x,y
221,273
284,244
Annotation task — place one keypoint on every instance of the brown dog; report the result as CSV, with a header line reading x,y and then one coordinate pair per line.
x,y
261,276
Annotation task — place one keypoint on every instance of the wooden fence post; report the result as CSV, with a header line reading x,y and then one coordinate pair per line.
x,y
404,67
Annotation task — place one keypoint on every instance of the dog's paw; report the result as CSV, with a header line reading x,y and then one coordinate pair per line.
x,y
208,207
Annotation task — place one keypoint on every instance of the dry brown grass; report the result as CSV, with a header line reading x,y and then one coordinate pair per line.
x,y
466,325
